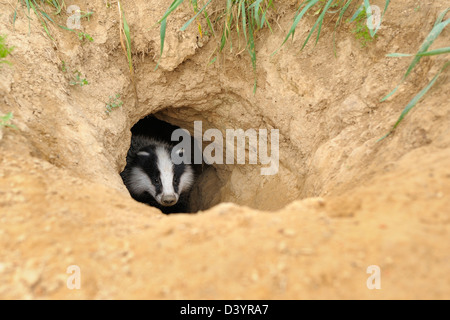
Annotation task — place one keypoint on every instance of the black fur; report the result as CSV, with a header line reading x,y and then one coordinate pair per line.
x,y
148,163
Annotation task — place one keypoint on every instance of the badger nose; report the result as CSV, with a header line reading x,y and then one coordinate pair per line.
x,y
168,199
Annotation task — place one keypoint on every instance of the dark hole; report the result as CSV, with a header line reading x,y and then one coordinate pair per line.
x,y
145,163
153,127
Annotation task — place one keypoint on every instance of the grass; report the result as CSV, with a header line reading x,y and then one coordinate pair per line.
x,y
333,7
78,80
4,50
39,8
114,102
438,27
361,30
247,17
63,66
415,100
435,32
5,121
125,41
84,36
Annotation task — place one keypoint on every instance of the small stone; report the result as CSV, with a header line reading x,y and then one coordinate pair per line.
x,y
3,267
288,232
31,277
282,247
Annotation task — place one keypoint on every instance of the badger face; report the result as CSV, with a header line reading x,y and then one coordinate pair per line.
x,y
156,174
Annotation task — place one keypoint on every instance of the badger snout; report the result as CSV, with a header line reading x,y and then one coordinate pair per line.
x,y
168,199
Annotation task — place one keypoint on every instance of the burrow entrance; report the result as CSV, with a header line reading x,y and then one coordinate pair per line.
x,y
207,183
241,183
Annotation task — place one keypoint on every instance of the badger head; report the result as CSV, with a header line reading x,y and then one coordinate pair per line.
x,y
157,174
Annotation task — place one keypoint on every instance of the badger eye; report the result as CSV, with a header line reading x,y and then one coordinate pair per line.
x,y
156,181
176,180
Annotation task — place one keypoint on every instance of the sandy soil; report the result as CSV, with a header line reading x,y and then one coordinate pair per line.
x,y
340,203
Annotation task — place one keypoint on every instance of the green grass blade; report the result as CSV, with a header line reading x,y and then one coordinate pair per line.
x,y
193,18
298,18
58,7
441,16
227,26
43,23
46,16
390,94
15,18
320,19
399,55
427,53
419,96
341,15
254,9
382,16
435,52
244,19
263,19
212,61
343,10
369,16
223,40
208,21
172,7
266,21
5,121
435,32
252,51
27,2
4,50
415,100
386,5
126,29
318,22
356,14
163,23
162,33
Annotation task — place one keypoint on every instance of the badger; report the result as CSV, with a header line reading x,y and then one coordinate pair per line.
x,y
153,178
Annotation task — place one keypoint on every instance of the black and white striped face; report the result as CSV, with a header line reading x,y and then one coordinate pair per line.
x,y
156,174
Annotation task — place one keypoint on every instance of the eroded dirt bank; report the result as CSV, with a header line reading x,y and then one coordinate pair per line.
x,y
340,202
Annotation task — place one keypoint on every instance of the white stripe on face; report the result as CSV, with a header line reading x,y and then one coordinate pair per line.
x,y
165,167
141,182
186,179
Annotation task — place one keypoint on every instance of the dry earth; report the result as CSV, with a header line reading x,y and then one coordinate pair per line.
x,y
341,201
